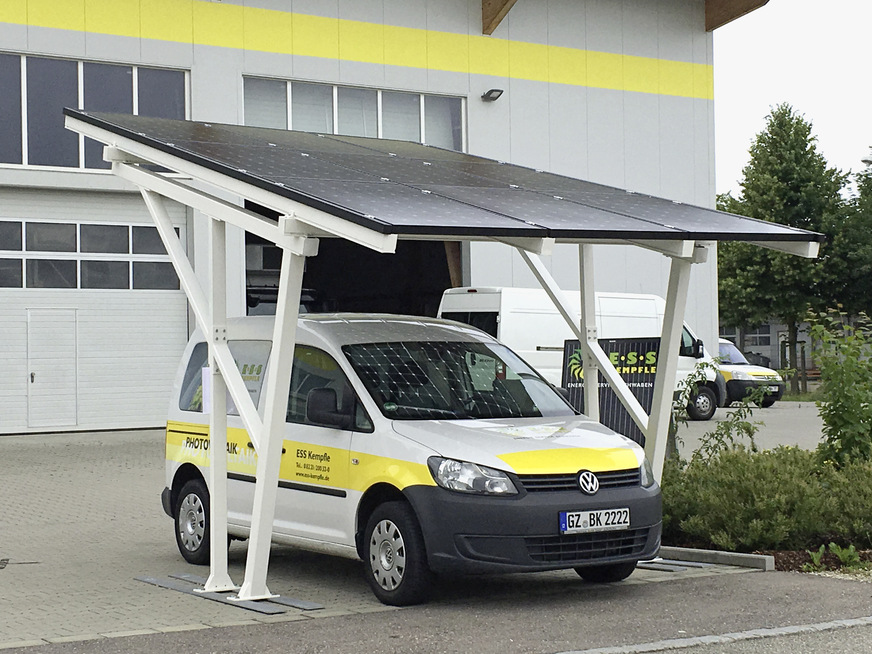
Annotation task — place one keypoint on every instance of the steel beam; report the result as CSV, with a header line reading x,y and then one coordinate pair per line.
x,y
667,366
588,328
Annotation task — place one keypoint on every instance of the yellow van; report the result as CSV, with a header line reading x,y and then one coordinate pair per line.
x,y
419,446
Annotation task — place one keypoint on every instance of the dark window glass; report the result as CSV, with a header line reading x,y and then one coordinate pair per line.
x,y
51,237
105,274
105,238
10,236
146,240
312,369
10,273
10,109
107,88
51,273
191,397
155,275
52,84
486,321
161,93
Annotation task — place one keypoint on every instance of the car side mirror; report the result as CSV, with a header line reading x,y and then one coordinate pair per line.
x,y
321,409
698,349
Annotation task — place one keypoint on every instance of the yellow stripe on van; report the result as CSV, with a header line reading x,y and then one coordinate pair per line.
x,y
543,462
302,463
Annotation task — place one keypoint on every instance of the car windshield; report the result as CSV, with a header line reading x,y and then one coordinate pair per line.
x,y
730,354
452,380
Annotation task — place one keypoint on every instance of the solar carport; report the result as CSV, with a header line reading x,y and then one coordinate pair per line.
x,y
373,193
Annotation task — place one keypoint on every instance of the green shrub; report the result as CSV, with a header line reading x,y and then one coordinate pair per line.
x,y
844,354
784,498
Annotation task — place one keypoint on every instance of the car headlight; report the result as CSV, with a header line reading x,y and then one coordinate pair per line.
x,y
470,477
742,376
646,473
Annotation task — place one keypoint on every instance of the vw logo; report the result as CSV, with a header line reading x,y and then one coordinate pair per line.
x,y
587,482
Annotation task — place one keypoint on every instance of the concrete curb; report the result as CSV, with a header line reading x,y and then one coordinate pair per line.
x,y
764,562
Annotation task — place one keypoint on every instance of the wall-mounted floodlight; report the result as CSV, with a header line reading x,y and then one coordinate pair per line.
x,y
867,160
491,95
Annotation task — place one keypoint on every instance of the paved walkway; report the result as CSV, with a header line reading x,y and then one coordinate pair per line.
x,y
81,518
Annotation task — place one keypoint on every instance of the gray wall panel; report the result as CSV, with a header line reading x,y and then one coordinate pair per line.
x,y
704,153
275,5
405,79
369,11
567,24
166,53
440,81
270,64
104,47
61,43
361,74
643,158
567,123
530,126
315,69
216,84
640,28
405,13
678,20
603,25
13,37
527,22
677,160
488,122
605,136
325,8
450,16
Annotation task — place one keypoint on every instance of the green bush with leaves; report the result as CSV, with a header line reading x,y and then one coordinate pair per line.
x,y
784,498
844,353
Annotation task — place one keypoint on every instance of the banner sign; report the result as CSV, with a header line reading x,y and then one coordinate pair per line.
x,y
636,362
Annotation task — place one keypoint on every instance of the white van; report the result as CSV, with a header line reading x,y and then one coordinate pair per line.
x,y
527,321
741,376
420,446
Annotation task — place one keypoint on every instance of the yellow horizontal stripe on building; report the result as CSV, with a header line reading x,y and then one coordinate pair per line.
x,y
541,462
265,30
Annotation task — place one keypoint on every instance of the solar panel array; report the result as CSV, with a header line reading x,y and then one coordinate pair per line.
x,y
397,187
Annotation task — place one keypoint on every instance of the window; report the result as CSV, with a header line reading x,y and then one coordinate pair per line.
x,y
758,336
432,119
50,84
251,358
87,256
10,109
313,369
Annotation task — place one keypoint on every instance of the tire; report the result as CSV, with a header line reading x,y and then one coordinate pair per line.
x,y
606,574
703,405
767,402
192,522
395,557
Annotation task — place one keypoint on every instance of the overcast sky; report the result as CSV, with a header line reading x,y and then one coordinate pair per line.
x,y
815,55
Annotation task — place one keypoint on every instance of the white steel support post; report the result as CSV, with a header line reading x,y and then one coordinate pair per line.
x,y
667,366
269,456
219,580
588,329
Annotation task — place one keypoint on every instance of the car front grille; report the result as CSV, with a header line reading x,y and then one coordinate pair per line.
x,y
569,482
586,547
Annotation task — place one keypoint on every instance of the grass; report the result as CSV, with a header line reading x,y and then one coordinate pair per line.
x,y
811,396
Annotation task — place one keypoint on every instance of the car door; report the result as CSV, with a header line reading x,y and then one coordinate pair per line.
x,y
313,500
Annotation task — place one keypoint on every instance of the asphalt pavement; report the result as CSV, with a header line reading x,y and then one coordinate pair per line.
x,y
81,520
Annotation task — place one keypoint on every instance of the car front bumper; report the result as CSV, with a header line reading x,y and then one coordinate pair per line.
x,y
476,534
737,389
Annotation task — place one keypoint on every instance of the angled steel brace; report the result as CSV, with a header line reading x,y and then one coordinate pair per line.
x,y
625,395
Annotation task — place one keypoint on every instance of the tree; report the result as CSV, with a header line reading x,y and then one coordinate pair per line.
x,y
786,181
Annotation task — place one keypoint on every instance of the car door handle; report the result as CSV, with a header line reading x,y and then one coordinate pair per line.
x,y
32,377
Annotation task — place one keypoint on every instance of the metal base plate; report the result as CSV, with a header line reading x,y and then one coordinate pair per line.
x,y
272,606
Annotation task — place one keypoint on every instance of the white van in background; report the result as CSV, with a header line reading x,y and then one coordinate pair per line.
x,y
527,321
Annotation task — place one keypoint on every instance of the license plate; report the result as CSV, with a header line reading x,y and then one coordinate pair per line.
x,y
772,389
579,522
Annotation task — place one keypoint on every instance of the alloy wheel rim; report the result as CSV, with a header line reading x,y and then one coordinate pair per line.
x,y
387,555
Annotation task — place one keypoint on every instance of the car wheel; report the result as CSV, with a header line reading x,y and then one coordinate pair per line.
x,y
395,557
606,574
192,522
767,402
703,405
